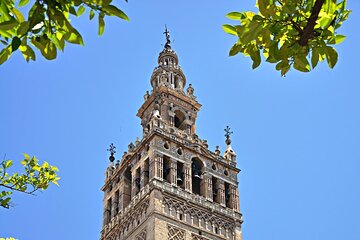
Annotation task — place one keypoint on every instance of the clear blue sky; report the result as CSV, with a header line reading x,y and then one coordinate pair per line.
x,y
297,138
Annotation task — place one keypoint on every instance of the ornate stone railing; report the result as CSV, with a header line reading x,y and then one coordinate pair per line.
x,y
195,198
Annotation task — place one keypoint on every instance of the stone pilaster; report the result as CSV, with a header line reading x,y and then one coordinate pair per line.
x,y
221,192
173,171
187,177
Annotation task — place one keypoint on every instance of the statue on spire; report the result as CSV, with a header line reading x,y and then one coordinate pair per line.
x,y
167,35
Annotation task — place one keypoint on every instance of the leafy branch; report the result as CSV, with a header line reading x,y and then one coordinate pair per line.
x,y
35,177
289,33
47,25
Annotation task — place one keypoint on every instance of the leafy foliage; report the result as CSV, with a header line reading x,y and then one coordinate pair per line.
x,y
289,33
47,25
36,177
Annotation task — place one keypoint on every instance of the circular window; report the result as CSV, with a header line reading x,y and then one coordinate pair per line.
x,y
179,151
226,173
166,146
214,166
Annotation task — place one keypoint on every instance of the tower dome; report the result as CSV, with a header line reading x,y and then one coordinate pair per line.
x,y
168,73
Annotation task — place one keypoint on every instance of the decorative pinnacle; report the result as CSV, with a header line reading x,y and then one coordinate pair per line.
x,y
167,35
112,151
227,135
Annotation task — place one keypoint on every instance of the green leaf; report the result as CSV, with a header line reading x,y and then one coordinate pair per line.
x,y
49,51
314,57
18,15
301,63
255,56
8,25
331,56
5,54
235,49
23,28
234,15
92,14
15,43
23,3
28,54
337,39
8,163
229,29
101,25
112,10
81,10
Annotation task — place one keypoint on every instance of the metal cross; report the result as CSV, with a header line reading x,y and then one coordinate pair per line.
x,y
228,132
111,149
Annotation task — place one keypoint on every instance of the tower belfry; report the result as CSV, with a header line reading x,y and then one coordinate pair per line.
x,y
169,185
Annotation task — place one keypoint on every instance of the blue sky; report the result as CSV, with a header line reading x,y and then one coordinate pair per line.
x,y
297,137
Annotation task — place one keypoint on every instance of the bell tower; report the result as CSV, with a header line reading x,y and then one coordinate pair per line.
x,y
169,185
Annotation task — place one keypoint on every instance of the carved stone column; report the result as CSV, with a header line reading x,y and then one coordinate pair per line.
x,y
133,183
207,184
142,176
204,185
187,177
158,166
234,198
173,171
221,192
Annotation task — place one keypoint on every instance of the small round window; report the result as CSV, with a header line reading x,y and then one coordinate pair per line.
x,y
226,173
214,166
179,151
166,145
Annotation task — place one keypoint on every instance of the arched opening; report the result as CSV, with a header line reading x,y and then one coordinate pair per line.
x,y
179,120
146,172
227,195
196,175
166,169
137,181
180,175
127,186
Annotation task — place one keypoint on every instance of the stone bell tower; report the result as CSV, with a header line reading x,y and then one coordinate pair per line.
x,y
169,185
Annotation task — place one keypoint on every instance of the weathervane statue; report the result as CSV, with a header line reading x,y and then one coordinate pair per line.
x,y
167,35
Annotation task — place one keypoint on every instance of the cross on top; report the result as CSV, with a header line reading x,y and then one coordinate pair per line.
x,y
111,149
228,132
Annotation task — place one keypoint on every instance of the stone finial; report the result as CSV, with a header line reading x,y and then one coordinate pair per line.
x,y
146,96
190,90
137,141
217,150
112,151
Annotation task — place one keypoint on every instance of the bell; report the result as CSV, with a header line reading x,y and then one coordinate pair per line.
x,y
196,175
179,181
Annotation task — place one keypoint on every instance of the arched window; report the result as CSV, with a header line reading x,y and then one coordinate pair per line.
x,y
196,176
179,120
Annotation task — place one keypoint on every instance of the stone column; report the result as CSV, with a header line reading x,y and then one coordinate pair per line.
x,y
234,197
158,166
221,192
142,175
203,185
187,177
133,182
209,188
173,171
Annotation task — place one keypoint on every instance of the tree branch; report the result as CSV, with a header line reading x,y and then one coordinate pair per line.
x,y
307,33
